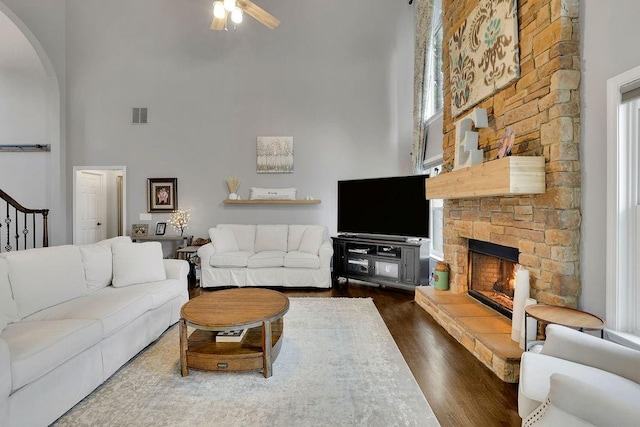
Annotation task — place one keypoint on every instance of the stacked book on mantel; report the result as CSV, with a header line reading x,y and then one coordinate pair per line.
x,y
231,336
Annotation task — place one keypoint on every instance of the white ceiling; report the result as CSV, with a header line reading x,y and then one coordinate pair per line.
x,y
16,53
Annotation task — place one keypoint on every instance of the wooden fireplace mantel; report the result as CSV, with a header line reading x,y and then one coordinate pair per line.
x,y
509,176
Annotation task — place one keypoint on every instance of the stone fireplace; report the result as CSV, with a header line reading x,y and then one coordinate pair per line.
x,y
543,109
492,275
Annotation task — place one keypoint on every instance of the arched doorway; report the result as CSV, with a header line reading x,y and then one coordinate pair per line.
x,y
30,113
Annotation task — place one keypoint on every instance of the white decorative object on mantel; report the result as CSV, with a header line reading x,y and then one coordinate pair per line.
x,y
466,152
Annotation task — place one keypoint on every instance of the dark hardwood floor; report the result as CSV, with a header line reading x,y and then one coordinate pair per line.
x,y
459,388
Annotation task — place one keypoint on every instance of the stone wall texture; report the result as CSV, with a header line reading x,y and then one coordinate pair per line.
x,y
543,108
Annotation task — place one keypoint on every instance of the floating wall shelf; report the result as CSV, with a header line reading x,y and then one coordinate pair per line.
x,y
271,202
509,176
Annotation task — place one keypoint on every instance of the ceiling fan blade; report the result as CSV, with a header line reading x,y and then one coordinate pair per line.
x,y
219,23
259,14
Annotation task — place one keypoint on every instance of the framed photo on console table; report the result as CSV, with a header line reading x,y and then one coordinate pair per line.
x,y
162,195
161,227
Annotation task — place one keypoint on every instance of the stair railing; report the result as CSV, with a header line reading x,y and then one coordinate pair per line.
x,y
21,220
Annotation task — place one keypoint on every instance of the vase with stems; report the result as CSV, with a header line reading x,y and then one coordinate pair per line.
x,y
232,185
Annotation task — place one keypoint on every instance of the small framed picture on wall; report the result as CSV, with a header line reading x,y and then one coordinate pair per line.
x,y
162,194
161,227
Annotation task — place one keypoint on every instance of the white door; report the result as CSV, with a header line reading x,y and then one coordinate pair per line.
x,y
90,207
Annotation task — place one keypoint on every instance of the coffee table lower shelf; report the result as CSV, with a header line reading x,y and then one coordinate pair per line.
x,y
205,354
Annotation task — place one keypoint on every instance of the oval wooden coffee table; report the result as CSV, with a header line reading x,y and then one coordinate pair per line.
x,y
259,310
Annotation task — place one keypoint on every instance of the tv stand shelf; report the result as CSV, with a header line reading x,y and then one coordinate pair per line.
x,y
396,263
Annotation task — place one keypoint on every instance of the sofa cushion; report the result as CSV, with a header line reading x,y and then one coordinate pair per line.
x,y
98,263
230,259
44,277
223,240
312,239
137,263
113,307
39,347
266,259
535,374
162,291
5,374
245,235
298,259
7,303
295,236
271,238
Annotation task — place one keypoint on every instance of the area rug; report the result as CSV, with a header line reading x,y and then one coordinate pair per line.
x,y
338,366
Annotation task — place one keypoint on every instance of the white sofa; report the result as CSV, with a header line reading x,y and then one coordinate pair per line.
x,y
267,255
70,316
579,380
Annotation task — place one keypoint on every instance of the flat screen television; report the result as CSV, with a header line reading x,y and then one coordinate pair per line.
x,y
393,207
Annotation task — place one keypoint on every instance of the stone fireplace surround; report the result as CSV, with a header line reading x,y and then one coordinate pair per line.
x,y
543,108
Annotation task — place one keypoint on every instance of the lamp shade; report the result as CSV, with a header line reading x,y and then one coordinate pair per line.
x,y
218,10
230,5
236,15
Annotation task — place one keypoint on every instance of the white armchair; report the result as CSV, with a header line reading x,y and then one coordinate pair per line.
x,y
579,380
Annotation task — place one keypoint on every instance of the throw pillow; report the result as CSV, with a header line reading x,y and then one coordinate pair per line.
x,y
271,238
98,265
44,277
135,263
256,193
312,239
223,240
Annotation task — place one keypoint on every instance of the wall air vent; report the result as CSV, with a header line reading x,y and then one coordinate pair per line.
x,y
139,116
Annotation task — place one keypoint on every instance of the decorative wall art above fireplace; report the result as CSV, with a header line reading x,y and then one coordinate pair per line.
x,y
484,53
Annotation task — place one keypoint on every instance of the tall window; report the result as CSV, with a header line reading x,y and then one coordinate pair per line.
x,y
623,204
433,70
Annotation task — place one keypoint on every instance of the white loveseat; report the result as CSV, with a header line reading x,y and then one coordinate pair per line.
x,y
267,255
70,316
579,380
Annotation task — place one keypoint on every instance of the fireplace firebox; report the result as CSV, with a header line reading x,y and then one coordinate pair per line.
x,y
492,271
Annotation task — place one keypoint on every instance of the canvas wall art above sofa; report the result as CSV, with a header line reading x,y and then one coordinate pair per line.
x,y
267,255
70,316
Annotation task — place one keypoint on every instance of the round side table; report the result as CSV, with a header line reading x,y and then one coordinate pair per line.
x,y
564,316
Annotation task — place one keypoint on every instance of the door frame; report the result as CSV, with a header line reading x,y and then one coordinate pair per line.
x,y
76,172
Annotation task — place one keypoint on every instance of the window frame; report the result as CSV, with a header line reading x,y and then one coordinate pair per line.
x,y
433,78
429,167
623,211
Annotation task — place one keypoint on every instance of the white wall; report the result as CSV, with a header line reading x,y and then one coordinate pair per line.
x,y
609,35
337,76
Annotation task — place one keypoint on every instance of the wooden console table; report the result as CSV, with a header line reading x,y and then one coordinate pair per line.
x,y
176,241
564,316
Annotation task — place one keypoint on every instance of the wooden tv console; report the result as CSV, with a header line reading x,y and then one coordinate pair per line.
x,y
398,263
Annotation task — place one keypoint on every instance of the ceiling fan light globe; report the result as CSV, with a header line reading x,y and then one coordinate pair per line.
x,y
218,10
236,15
230,5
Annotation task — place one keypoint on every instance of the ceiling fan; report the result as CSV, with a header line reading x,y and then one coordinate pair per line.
x,y
235,9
